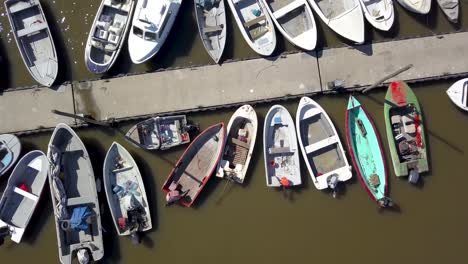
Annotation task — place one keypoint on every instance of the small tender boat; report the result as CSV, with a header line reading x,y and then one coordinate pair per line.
x,y
280,149
34,40
152,22
160,132
107,34
342,16
379,13
417,6
321,147
125,193
195,167
255,25
458,93
294,19
366,152
10,150
211,21
74,197
239,145
450,8
22,193
405,131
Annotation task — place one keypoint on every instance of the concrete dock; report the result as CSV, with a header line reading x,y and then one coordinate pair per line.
x,y
205,87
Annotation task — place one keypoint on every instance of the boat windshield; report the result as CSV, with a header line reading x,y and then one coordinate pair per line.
x,y
150,36
138,31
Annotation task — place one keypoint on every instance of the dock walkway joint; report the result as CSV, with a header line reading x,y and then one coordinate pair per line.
x,y
192,89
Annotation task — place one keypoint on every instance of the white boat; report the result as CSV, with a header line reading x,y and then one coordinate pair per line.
x,y
152,22
342,16
211,22
379,13
321,146
417,6
295,20
74,198
22,193
10,150
280,149
33,38
450,8
125,193
255,24
107,34
458,93
239,144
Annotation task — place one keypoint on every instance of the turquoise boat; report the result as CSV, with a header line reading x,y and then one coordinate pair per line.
x,y
366,152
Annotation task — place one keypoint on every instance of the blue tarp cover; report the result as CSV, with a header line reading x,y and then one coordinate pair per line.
x,y
78,219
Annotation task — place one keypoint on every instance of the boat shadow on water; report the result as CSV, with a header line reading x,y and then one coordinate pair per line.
x,y
64,73
5,80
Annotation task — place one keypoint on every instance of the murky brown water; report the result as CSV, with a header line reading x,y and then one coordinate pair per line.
x,y
256,224
70,21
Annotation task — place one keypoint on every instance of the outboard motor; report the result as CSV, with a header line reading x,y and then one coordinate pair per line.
x,y
385,202
413,176
135,237
83,256
5,231
332,182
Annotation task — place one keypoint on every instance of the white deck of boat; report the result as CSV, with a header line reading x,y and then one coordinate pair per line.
x,y
293,74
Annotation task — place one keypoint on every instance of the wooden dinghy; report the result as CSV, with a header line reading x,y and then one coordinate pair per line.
x,y
74,197
450,8
10,150
195,167
255,24
366,152
343,16
34,40
239,145
22,193
125,193
458,93
417,6
160,132
295,20
152,22
380,13
280,149
405,131
321,146
211,21
107,34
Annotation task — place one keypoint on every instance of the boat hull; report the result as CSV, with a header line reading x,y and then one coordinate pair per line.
x,y
17,204
366,150
320,145
458,93
11,152
400,101
280,148
197,164
451,9
385,13
422,9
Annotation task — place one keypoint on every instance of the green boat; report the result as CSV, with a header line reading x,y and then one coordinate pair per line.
x,y
405,131
366,152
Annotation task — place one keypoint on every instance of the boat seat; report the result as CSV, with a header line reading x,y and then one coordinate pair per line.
x,y
110,47
240,143
321,144
287,9
26,194
113,38
78,201
396,119
20,6
97,44
279,150
212,29
35,28
254,21
101,34
408,125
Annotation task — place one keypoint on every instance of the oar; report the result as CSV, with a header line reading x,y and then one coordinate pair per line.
x,y
228,182
85,119
383,79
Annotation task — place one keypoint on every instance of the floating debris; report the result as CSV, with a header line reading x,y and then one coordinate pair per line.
x,y
62,20
2,14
